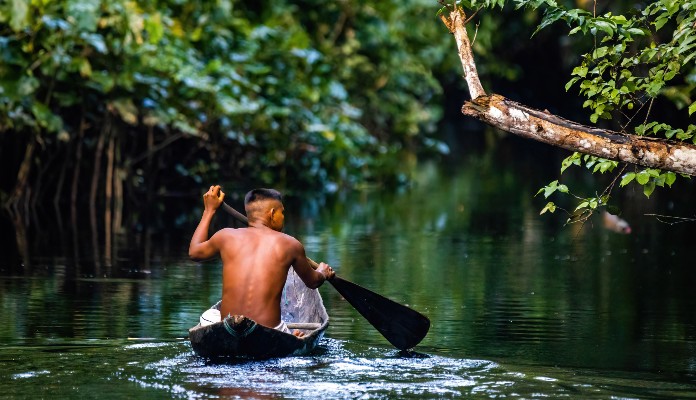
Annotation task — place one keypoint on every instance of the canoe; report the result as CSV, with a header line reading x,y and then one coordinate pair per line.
x,y
240,337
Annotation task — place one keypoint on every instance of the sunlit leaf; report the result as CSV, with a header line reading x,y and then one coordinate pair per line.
x,y
670,178
627,178
84,13
643,177
19,14
127,110
550,207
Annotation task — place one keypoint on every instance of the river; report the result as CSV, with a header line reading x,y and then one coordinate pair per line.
x,y
521,305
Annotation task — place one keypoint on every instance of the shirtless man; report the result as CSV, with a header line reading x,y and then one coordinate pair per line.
x,y
255,260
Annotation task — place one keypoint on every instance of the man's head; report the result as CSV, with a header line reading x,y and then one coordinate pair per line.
x,y
265,206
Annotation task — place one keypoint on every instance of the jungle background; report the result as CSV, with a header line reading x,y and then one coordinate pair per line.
x,y
117,108
116,116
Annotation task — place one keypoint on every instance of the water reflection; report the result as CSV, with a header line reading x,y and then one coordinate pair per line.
x,y
520,305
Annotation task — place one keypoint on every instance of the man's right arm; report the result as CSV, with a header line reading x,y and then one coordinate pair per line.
x,y
202,248
312,278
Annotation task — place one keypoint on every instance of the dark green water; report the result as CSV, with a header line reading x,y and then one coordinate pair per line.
x,y
520,305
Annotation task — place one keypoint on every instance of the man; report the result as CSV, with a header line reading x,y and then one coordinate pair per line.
x,y
255,260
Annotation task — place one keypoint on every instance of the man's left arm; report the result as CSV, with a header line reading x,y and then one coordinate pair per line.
x,y
312,278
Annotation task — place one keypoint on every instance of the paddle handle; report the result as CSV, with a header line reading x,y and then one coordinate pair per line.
x,y
242,218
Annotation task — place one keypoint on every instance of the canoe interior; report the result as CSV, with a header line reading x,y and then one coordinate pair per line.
x,y
240,337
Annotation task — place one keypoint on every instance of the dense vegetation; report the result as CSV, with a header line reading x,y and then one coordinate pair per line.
x,y
103,100
106,100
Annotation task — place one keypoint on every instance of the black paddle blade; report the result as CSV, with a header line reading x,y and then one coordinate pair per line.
x,y
401,326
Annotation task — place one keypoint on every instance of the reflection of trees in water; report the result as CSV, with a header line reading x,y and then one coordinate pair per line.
x,y
468,248
122,245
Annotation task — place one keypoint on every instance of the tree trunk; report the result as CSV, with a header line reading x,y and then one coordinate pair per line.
x,y
76,171
119,176
61,177
523,121
93,191
108,195
150,187
22,175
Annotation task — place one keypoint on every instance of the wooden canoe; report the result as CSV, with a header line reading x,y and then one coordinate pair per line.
x,y
240,337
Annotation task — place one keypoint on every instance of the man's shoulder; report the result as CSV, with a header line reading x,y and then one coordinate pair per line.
x,y
228,231
267,235
226,234
285,237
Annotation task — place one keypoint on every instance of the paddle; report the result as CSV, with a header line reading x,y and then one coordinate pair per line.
x,y
400,325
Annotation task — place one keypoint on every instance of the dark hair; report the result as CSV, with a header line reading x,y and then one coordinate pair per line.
x,y
262,194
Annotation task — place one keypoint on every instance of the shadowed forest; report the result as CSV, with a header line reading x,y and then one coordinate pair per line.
x,y
109,111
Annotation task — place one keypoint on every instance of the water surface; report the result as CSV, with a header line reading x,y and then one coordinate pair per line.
x,y
521,306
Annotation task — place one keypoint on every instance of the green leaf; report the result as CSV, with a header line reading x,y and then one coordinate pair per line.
x,y
659,23
672,132
25,87
85,68
127,110
648,189
606,27
643,177
549,18
19,14
155,28
692,108
85,13
627,178
636,31
670,177
594,203
46,118
548,190
600,52
580,71
660,181
550,207
571,82
573,159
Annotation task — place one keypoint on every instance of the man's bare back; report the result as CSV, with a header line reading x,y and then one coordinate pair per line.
x,y
255,263
255,260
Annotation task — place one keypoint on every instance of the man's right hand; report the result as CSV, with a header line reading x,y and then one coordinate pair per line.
x,y
213,198
326,270
202,248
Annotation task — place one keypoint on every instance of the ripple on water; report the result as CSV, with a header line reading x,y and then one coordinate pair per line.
x,y
335,372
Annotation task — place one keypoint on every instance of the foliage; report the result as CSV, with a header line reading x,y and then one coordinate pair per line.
x,y
218,89
635,59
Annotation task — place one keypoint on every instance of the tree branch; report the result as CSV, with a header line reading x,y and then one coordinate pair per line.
x,y
457,27
527,122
